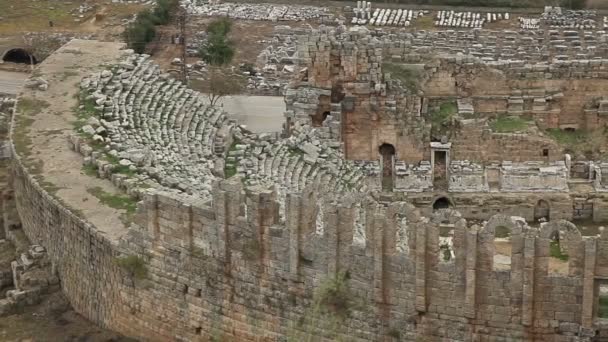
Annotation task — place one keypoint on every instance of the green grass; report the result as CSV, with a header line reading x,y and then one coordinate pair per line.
x,y
230,167
602,311
509,124
556,252
89,170
122,202
409,76
30,106
442,119
568,138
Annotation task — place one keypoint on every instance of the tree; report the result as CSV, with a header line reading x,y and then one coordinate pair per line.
x,y
219,27
220,83
218,50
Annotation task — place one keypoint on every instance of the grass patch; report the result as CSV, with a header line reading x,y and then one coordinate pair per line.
x,y
568,138
442,120
509,124
134,265
89,170
502,232
556,252
602,311
31,106
122,202
230,167
407,74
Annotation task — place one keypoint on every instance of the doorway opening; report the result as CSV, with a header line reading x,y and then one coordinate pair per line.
x,y
440,180
441,203
387,153
542,211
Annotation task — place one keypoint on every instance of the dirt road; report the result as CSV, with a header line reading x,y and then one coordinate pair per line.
x,y
11,82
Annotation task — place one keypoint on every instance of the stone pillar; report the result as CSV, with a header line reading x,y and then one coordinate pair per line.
x,y
589,283
527,315
470,272
331,218
151,207
186,226
420,285
379,246
293,217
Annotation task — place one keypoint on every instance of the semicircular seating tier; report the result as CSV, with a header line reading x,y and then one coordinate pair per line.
x,y
159,127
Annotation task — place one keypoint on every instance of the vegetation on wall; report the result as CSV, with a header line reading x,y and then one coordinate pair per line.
x,y
332,302
509,124
408,75
443,119
134,265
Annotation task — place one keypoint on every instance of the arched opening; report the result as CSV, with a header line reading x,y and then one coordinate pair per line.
x,y
502,248
558,263
19,56
570,129
387,153
441,203
542,211
323,111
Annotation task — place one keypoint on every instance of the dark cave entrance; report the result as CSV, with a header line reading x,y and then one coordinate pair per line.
x,y
19,56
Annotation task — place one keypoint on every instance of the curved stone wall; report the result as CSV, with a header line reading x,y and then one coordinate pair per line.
x,y
250,264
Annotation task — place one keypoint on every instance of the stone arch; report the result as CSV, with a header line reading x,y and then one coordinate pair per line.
x,y
19,55
442,202
451,234
570,243
492,259
542,210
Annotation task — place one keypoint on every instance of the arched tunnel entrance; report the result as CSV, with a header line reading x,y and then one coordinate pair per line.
x,y
441,203
19,55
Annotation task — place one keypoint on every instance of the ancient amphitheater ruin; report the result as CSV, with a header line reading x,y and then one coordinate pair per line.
x,y
393,206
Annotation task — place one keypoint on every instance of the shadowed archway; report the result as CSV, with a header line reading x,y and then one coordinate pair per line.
x,y
19,55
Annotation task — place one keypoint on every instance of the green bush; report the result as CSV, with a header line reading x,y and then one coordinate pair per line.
x,y
134,265
219,27
509,124
142,31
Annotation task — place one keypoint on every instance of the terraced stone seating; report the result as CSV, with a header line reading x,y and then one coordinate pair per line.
x,y
299,162
151,124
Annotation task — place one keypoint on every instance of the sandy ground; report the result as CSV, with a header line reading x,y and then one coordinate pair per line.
x,y
11,82
260,114
52,124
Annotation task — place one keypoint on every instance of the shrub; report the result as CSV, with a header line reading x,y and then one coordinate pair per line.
x,y
134,265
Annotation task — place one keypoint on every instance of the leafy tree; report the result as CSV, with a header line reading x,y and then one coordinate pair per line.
x,y
218,51
219,27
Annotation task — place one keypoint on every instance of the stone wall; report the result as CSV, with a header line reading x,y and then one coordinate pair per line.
x,y
228,269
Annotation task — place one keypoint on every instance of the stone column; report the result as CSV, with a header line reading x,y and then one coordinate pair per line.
x,y
151,206
589,283
330,216
379,229
527,314
470,269
421,267
293,217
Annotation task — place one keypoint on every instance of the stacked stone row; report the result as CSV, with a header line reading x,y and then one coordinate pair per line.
x,y
258,11
298,162
156,125
467,19
501,45
394,17
558,18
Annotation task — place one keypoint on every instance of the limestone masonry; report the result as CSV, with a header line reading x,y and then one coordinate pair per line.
x,y
393,206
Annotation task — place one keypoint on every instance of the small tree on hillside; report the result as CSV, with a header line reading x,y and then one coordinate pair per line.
x,y
220,83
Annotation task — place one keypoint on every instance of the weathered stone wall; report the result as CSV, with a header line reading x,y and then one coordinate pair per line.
x,y
229,269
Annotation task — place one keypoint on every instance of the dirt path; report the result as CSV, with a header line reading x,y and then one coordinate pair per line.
x,y
57,164
11,82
